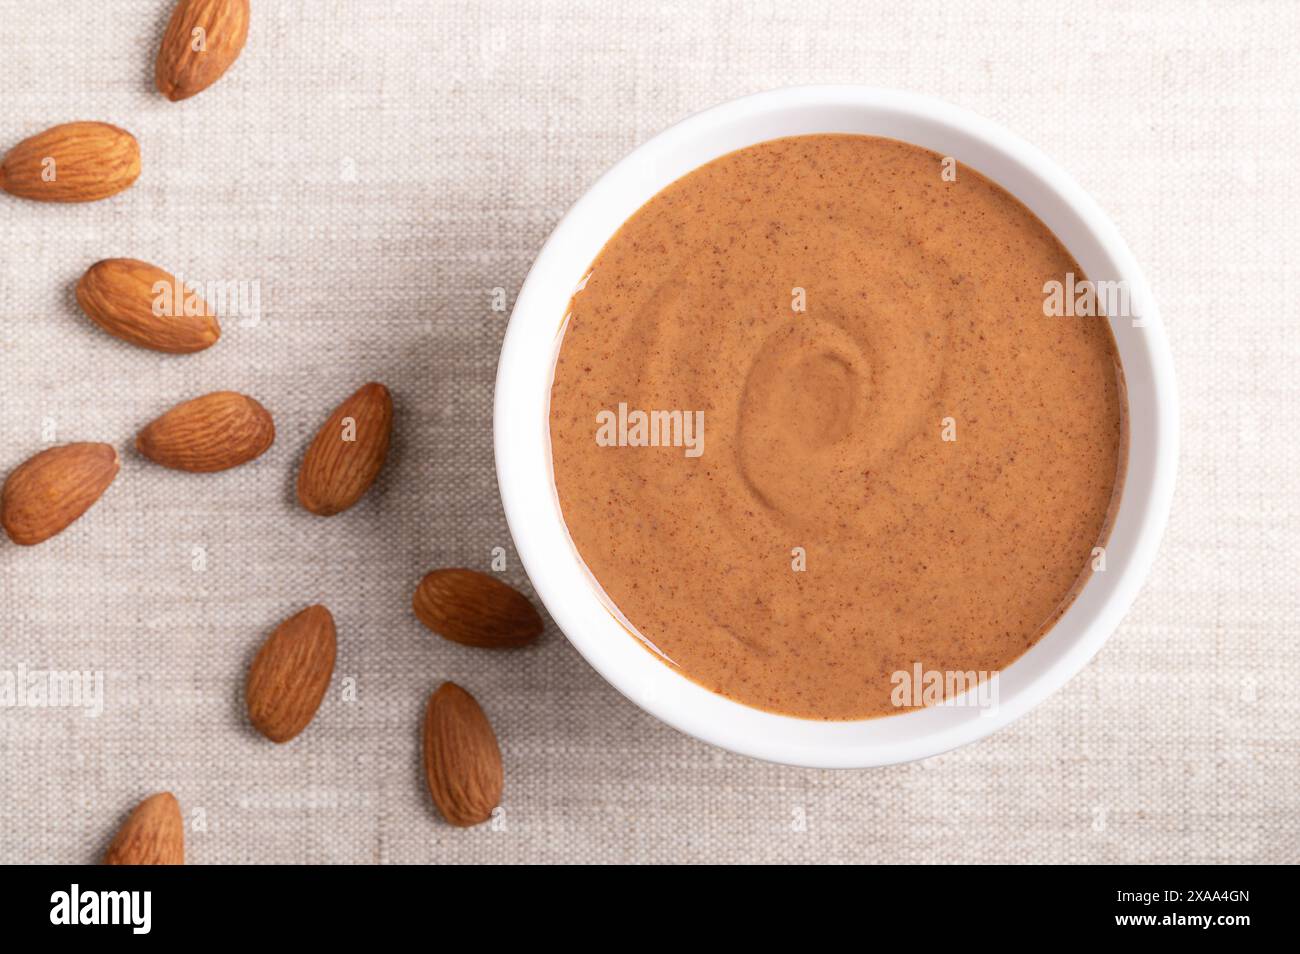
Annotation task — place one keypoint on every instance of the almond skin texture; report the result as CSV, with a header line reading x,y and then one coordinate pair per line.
x,y
74,162
473,608
48,492
153,835
462,761
218,28
120,295
214,432
347,453
288,679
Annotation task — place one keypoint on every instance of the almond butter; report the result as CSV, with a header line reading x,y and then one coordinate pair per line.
x,y
202,41
288,679
347,453
46,493
143,304
473,608
214,432
153,835
462,761
74,162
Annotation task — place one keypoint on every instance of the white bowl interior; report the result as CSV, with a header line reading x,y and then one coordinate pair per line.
x,y
523,441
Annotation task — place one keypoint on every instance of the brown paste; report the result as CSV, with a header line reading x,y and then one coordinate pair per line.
x,y
839,312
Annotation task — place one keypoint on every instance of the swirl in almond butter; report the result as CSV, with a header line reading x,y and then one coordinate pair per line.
x,y
825,427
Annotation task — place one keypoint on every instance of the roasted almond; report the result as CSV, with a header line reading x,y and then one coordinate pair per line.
x,y
48,492
462,761
288,679
214,432
473,608
74,162
347,453
202,41
153,835
143,304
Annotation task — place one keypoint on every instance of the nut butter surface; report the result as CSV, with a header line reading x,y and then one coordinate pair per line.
x,y
812,428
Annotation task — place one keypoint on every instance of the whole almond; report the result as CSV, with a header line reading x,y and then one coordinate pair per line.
x,y
202,41
462,761
473,608
288,679
153,835
74,162
214,432
143,304
347,453
48,492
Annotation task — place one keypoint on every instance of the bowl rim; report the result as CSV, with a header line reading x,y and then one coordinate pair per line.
x,y
669,695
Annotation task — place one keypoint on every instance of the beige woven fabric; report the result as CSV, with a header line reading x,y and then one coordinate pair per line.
x,y
379,167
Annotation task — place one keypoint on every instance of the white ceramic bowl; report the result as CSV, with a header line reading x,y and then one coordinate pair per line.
x,y
523,440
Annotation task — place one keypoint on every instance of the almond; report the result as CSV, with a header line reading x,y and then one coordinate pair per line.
x,y
462,761
143,304
473,608
347,453
202,41
48,492
288,679
214,432
153,835
74,162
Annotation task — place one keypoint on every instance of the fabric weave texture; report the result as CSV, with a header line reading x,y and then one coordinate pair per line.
x,y
379,169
